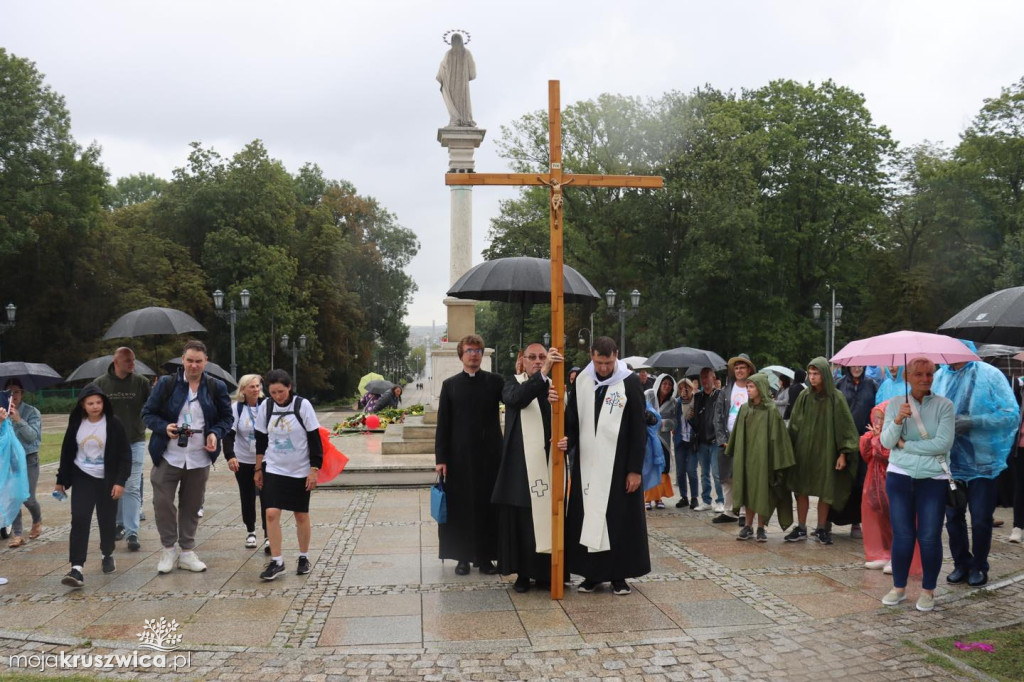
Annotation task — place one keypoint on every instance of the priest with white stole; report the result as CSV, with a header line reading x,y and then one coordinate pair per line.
x,y
605,525
523,490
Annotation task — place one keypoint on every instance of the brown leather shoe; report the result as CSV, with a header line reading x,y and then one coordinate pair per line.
x,y
37,530
16,541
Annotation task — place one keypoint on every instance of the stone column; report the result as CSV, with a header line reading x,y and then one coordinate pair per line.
x,y
461,143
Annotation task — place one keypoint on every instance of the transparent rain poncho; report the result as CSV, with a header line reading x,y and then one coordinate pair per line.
x,y
986,418
891,386
13,474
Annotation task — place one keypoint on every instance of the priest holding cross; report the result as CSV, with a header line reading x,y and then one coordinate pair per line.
x,y
556,180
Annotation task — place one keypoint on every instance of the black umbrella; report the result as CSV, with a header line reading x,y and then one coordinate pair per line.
x,y
33,375
684,356
996,318
379,386
153,320
212,368
521,280
97,367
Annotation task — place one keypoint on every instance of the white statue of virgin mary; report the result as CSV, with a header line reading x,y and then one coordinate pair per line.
x,y
457,69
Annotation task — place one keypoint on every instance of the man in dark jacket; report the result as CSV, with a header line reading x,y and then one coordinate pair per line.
x,y
703,423
128,393
189,414
859,391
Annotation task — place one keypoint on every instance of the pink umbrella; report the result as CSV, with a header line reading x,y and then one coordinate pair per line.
x,y
893,350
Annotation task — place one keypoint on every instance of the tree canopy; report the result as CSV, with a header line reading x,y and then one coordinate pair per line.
x,y
774,197
317,258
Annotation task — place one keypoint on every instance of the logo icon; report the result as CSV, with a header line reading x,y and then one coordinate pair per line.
x,y
159,635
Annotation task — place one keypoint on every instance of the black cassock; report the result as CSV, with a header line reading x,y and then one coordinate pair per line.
x,y
517,548
468,440
629,556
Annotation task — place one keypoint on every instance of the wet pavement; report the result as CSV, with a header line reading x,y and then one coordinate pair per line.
x,y
378,602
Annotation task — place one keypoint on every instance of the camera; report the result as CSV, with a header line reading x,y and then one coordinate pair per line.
x,y
184,433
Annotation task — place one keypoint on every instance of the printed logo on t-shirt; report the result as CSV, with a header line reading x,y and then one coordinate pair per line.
x,y
92,449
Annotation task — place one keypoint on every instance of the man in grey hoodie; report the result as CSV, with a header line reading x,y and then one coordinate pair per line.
x,y
128,393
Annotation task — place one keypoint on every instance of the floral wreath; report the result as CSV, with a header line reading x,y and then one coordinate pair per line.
x,y
464,33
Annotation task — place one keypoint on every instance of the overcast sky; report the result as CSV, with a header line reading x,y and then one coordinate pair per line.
x,y
350,85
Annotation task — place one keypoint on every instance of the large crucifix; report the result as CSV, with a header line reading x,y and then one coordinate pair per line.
x,y
555,180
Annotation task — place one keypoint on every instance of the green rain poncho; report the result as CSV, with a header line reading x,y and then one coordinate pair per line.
x,y
761,451
822,427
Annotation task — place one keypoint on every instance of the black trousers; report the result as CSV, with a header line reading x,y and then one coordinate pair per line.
x,y
1018,488
248,493
88,494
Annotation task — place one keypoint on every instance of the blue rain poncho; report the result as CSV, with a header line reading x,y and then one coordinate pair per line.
x,y
654,456
891,386
986,418
13,474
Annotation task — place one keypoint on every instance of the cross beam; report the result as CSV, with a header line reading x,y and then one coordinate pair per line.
x,y
555,180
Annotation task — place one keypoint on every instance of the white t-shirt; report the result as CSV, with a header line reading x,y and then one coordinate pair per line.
x,y
737,399
245,433
195,455
92,441
287,448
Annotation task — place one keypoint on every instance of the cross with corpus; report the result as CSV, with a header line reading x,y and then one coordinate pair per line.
x,y
555,180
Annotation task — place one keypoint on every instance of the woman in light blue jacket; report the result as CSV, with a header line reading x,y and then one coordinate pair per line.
x,y
916,481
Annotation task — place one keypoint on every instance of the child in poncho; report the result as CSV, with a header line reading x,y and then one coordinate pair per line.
x,y
761,451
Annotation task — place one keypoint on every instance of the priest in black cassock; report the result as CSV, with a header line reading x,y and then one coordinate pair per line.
x,y
467,450
605,525
523,492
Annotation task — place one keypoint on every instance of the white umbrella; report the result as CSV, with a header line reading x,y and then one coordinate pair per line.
x,y
636,362
780,370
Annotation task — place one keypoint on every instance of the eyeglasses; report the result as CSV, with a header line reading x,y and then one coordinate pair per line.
x,y
16,391
536,357
473,351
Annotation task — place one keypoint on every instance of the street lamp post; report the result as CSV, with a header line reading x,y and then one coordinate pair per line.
x,y
623,313
11,311
231,315
295,348
833,318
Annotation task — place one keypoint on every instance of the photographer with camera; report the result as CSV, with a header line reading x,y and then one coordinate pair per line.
x,y
189,414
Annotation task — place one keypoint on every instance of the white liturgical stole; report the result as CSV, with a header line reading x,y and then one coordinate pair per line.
x,y
597,456
538,470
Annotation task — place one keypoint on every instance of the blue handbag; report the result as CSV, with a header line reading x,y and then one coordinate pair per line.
x,y
438,501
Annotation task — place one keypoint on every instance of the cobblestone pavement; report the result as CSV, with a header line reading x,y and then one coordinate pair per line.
x,y
378,603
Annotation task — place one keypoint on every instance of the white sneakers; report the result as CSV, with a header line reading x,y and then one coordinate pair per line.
x,y
720,508
1015,535
172,556
702,507
190,562
168,559
875,565
888,568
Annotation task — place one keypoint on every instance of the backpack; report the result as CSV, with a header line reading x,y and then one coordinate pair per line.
x,y
296,405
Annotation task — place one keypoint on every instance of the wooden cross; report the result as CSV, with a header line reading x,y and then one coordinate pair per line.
x,y
555,180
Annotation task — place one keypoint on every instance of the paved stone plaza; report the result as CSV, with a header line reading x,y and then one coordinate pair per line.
x,y
379,603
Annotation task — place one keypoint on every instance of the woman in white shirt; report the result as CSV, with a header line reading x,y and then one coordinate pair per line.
x,y
288,458
240,452
95,460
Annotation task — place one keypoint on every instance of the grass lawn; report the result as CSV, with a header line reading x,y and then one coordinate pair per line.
x,y
49,451
1005,662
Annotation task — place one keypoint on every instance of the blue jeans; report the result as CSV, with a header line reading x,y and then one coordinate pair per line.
x,y
130,504
916,508
686,470
707,456
981,500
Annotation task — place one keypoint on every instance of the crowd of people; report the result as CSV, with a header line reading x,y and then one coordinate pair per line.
x,y
885,456
273,447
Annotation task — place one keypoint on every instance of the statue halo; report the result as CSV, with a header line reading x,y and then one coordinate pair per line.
x,y
464,33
